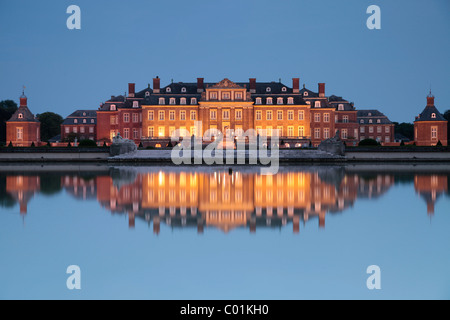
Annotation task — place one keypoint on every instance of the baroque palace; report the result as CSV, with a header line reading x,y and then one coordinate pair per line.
x,y
301,117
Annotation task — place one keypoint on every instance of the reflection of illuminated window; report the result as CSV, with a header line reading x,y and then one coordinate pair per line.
x,y
150,195
172,197
269,195
183,195
238,196
213,196
301,195
258,195
161,195
290,196
172,179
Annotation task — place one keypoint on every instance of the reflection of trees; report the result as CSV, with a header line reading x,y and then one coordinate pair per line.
x,y
6,200
50,184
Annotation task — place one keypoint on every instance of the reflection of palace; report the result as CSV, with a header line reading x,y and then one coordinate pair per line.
x,y
431,187
222,199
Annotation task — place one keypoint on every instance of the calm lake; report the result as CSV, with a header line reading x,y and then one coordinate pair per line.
x,y
168,232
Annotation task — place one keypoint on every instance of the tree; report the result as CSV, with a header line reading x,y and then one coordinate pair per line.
x,y
406,129
7,109
447,117
368,142
87,143
50,125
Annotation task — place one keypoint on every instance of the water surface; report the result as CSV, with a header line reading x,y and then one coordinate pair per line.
x,y
225,233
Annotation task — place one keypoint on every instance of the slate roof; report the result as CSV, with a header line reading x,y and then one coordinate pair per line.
x,y
27,116
81,115
375,115
426,115
336,101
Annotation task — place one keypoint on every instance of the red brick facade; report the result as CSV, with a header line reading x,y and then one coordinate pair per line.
x,y
23,129
430,126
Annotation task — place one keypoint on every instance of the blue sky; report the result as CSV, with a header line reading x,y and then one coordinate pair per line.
x,y
319,41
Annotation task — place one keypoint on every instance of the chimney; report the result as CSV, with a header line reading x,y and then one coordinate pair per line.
x,y
321,90
131,87
252,85
430,100
200,85
156,84
296,85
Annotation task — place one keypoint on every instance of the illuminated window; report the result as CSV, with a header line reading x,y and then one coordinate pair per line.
x,y
326,117
161,131
183,115
301,131
290,131
340,107
279,115
317,104
238,114
226,114
193,115
301,115
291,115
19,133
151,132
269,115
258,115
326,133
150,115
161,116
213,114
20,115
171,115
113,107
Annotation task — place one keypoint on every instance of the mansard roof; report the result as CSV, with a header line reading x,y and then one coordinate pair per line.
x,y
27,116
427,115
365,115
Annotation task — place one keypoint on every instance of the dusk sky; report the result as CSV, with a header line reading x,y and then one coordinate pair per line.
x,y
63,70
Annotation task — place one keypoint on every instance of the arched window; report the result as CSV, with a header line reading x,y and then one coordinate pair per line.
x,y
258,101
340,107
268,89
20,115
84,120
162,101
279,100
433,115
291,100
193,100
75,121
135,104
183,101
113,107
305,94
168,89
269,101
317,104
147,93
284,89
183,89
172,101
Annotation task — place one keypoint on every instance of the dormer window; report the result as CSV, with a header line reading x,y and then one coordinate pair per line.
x,y
172,101
308,102
213,95
305,94
362,121
183,101
279,100
20,115
183,90
84,120
433,115
168,89
162,101
269,101
370,114
340,107
135,104
378,121
75,121
258,101
113,107
317,104
370,121
238,95
193,100
290,100
268,89
284,89
84,114
92,121
147,93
